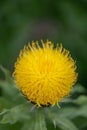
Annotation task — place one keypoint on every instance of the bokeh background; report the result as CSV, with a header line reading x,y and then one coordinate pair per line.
x,y
22,21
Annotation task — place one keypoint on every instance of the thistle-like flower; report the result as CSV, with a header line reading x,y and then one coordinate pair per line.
x,y
45,74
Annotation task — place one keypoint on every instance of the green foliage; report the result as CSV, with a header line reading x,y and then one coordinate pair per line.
x,y
18,113
62,122
36,123
15,114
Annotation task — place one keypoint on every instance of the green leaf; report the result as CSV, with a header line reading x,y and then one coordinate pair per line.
x,y
18,113
73,112
67,112
81,100
40,122
63,123
36,123
82,111
78,88
9,89
11,93
8,85
4,103
6,73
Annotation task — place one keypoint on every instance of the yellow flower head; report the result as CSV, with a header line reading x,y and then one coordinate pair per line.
x,y
45,74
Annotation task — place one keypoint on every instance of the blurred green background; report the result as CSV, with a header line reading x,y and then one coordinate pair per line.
x,y
22,21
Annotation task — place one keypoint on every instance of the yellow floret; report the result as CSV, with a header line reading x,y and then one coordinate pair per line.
x,y
45,74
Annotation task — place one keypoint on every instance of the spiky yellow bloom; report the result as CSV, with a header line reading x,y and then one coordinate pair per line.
x,y
45,74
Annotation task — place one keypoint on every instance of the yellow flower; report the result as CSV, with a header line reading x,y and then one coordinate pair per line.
x,y
45,74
